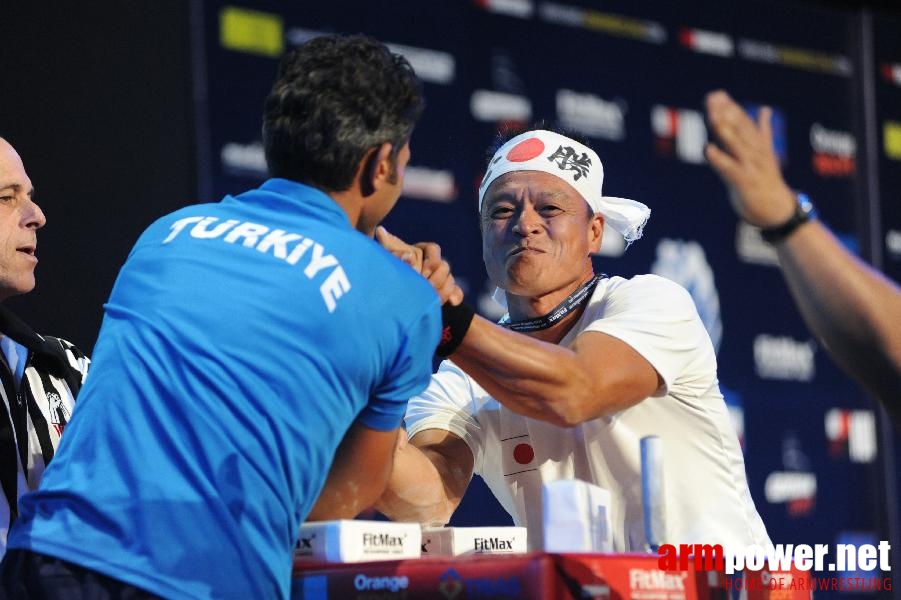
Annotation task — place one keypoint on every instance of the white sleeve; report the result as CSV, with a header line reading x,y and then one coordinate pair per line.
x,y
449,403
658,319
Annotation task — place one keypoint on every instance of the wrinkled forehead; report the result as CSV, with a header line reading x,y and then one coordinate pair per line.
x,y
517,186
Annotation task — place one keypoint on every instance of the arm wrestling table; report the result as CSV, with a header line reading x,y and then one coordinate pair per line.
x,y
538,576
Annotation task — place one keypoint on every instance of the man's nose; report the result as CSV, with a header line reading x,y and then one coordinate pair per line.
x,y
33,216
527,221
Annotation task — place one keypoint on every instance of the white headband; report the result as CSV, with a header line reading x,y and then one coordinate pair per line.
x,y
574,163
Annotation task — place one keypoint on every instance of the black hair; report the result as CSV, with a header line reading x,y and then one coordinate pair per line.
x,y
335,98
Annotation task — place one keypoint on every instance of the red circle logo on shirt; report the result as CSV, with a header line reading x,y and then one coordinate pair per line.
x,y
523,454
525,150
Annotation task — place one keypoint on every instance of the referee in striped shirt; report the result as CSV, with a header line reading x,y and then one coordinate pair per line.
x,y
40,375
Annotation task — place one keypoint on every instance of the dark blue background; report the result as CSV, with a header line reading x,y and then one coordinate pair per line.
x,y
784,420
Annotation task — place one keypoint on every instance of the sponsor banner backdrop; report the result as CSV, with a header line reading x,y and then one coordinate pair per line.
x,y
631,79
887,58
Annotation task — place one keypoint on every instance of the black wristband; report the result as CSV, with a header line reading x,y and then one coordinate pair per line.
x,y
804,212
455,322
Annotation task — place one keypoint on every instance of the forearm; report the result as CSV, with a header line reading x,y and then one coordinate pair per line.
x,y
358,474
345,498
850,307
536,379
416,491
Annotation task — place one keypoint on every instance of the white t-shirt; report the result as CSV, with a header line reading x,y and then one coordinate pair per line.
x,y
707,500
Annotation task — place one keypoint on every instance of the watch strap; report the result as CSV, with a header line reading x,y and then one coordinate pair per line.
x,y
804,212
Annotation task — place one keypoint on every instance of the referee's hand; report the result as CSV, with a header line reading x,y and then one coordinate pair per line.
x,y
742,154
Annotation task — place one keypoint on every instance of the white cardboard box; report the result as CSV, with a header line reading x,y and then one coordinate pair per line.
x,y
463,541
576,517
350,541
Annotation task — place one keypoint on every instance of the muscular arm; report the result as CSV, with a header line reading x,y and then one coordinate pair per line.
x,y
358,475
597,376
850,307
431,473
535,378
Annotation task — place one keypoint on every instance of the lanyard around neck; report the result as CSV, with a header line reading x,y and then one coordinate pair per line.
x,y
564,308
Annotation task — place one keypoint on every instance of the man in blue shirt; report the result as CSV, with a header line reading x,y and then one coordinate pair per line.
x,y
256,354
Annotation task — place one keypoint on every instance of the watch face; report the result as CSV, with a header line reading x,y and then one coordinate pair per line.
x,y
806,206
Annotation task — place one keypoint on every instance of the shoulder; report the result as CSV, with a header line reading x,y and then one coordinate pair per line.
x,y
392,275
63,344
643,302
173,223
647,290
185,211
645,283
67,355
399,300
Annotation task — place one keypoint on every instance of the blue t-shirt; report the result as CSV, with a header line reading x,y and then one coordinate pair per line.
x,y
240,341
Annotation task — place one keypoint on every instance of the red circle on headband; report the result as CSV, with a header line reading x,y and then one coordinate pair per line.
x,y
525,150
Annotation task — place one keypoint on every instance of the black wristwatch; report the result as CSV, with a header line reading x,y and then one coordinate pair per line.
x,y
804,212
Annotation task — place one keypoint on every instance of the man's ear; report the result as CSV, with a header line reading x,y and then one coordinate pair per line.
x,y
596,233
376,168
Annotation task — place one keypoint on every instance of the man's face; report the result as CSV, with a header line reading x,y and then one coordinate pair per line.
x,y
378,206
537,233
20,218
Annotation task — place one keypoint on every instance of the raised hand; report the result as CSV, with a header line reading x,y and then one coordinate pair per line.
x,y
745,160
